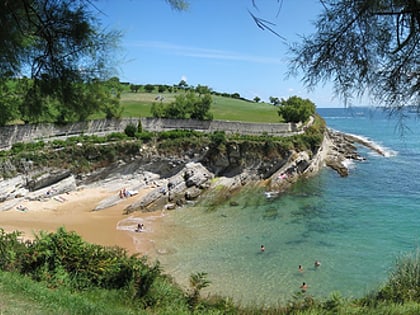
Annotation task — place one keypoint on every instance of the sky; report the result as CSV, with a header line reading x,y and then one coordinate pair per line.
x,y
214,43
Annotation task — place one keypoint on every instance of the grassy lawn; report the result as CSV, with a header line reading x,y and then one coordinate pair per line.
x,y
223,108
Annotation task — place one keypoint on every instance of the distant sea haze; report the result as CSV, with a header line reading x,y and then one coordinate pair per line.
x,y
355,226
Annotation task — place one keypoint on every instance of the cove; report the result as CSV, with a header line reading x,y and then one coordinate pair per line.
x,y
356,226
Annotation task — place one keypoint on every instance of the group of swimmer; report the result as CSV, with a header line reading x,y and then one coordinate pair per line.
x,y
304,285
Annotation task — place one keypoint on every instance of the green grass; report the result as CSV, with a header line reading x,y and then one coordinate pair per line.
x,y
222,108
21,295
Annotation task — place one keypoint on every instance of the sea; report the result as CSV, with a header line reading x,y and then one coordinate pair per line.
x,y
357,226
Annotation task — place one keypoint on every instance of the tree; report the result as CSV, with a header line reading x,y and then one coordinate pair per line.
x,y
180,5
134,88
186,105
296,109
257,99
182,84
149,88
365,47
57,44
274,100
203,89
200,107
161,88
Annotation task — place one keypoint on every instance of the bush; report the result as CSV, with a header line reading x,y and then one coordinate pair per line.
x,y
11,249
115,136
404,281
130,130
179,133
218,137
144,136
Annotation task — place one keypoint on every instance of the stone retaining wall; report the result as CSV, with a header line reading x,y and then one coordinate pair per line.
x,y
230,127
26,133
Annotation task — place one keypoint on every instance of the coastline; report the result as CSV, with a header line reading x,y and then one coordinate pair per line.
x,y
74,212
77,210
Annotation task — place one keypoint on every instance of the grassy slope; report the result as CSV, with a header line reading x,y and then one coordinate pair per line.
x,y
21,295
223,108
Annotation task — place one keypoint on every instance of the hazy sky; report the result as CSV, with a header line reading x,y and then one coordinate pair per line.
x,y
215,43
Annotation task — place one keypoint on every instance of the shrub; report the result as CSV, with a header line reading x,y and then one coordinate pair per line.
x,y
130,130
145,136
11,249
404,281
218,138
115,136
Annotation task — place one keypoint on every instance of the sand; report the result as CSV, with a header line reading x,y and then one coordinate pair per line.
x,y
74,212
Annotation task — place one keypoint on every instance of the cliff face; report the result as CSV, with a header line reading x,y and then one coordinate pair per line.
x,y
185,174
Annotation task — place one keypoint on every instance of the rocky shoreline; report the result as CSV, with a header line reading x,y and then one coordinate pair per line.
x,y
190,178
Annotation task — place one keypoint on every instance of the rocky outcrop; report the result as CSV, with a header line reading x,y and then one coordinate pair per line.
x,y
342,147
172,181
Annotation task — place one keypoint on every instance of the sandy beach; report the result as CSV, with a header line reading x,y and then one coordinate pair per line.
x,y
74,211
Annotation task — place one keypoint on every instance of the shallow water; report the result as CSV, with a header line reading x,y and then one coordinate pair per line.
x,y
356,226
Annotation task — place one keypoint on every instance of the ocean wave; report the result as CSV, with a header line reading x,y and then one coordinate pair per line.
x,y
386,152
378,148
339,117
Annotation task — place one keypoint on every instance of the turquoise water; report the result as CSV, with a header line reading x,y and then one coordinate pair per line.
x,y
356,226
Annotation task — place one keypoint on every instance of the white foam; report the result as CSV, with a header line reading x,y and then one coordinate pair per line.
x,y
349,163
129,224
387,152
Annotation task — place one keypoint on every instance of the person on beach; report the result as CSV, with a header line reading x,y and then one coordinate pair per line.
x,y
262,248
140,227
304,287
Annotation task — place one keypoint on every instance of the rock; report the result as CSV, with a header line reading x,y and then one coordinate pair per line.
x,y
12,188
145,201
180,179
170,206
338,166
49,178
192,193
65,185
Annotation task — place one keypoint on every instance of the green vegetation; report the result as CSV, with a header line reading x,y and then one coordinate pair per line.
x,y
59,273
82,153
296,109
56,62
352,38
222,107
106,99
186,105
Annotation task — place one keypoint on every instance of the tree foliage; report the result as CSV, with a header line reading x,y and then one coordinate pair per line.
x,y
296,109
365,47
58,45
180,5
186,105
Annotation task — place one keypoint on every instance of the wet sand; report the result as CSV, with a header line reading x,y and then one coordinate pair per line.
x,y
108,227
